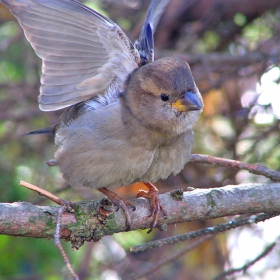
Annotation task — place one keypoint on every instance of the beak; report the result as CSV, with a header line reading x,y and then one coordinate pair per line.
x,y
189,102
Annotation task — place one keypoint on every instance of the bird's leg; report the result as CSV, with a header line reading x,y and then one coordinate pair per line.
x,y
120,203
155,203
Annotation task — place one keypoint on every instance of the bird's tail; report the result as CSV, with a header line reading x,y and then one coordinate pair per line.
x,y
50,130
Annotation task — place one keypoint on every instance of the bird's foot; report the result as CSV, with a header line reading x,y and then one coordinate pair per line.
x,y
155,203
120,203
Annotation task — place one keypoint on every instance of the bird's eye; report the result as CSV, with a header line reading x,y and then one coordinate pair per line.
x,y
164,97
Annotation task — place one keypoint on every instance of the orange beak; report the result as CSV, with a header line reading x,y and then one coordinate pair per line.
x,y
189,102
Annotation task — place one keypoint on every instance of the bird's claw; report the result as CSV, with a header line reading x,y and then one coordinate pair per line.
x,y
156,205
120,204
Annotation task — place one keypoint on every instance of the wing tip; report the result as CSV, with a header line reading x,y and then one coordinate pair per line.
x,y
51,107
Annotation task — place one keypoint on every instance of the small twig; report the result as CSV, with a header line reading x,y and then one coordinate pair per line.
x,y
252,168
61,210
194,234
40,200
173,256
58,243
243,268
43,192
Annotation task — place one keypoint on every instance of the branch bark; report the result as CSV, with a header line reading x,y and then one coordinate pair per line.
x,y
252,168
89,221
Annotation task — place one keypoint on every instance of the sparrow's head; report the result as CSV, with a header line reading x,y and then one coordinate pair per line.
x,y
162,95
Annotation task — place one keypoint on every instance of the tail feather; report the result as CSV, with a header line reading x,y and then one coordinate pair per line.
x,y
50,130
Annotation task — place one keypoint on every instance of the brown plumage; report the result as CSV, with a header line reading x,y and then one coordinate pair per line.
x,y
129,118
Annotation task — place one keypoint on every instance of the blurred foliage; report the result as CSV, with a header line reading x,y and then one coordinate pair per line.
x,y
236,124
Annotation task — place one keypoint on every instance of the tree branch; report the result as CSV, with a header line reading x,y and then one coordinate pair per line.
x,y
217,58
89,221
202,232
256,169
172,256
243,268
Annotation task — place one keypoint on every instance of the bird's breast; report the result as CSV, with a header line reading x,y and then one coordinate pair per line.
x,y
170,158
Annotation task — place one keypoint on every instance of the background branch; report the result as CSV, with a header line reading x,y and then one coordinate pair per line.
x,y
203,232
252,168
243,269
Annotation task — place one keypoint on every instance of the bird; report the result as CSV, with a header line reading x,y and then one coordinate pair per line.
x,y
127,118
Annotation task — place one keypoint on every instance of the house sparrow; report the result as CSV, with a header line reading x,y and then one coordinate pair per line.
x,y
128,118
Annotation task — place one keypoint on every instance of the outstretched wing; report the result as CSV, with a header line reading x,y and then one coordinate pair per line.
x,y
145,43
83,52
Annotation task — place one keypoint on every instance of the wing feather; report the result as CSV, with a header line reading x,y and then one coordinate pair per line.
x,y
83,52
145,43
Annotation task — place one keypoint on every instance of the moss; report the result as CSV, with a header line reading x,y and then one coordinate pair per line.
x,y
210,201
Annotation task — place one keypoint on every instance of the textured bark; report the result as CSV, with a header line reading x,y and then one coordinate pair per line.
x,y
90,221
